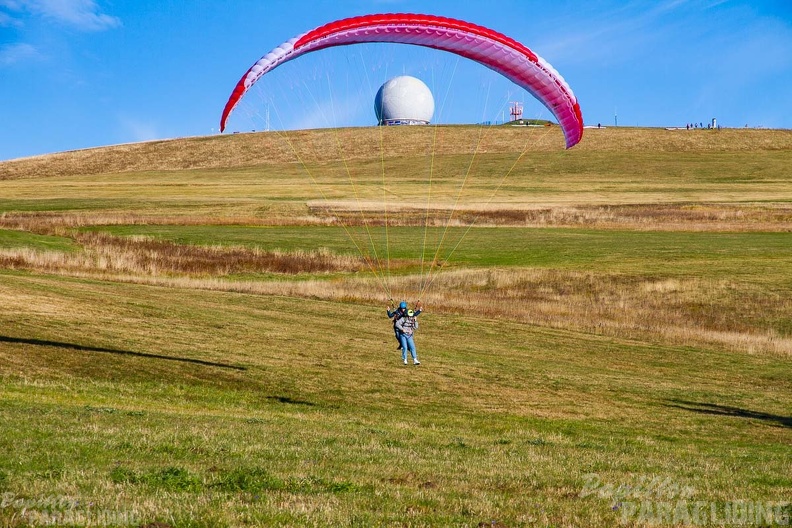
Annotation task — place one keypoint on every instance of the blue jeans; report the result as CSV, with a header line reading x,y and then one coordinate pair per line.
x,y
407,342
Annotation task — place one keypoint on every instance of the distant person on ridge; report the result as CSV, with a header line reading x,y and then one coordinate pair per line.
x,y
407,325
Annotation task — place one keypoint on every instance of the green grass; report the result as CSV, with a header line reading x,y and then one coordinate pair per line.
x,y
55,204
286,421
194,408
22,239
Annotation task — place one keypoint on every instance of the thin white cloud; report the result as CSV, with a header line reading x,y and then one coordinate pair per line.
x,y
612,34
7,20
11,4
623,31
14,53
84,15
26,16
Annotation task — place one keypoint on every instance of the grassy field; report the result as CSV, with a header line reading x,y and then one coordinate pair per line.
x,y
192,332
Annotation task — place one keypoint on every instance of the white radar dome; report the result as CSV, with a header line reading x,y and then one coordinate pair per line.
x,y
404,100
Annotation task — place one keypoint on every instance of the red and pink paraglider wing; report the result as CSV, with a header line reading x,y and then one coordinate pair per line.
x,y
494,50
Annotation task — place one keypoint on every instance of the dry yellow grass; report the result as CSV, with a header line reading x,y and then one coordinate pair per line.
x,y
647,179
146,256
654,217
245,150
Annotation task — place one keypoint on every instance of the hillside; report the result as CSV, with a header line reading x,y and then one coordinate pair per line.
x,y
193,332
250,149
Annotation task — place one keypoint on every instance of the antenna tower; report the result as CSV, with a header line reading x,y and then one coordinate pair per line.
x,y
515,111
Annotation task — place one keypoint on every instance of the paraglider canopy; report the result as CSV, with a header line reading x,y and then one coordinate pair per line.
x,y
485,46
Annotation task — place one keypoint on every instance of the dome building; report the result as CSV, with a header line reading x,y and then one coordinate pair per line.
x,y
404,100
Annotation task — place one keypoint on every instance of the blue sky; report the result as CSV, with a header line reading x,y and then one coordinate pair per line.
x,y
84,73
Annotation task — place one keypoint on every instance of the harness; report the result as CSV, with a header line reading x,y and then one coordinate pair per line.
x,y
399,315
410,322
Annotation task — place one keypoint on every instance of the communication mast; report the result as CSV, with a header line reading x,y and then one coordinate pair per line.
x,y
515,111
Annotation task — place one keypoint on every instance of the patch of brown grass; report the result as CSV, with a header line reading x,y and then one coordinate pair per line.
x,y
682,311
649,217
655,217
60,223
145,256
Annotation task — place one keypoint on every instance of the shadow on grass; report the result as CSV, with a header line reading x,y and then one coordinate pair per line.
x,y
726,410
290,401
83,348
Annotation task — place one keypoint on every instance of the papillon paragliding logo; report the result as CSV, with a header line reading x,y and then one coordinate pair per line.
x,y
500,53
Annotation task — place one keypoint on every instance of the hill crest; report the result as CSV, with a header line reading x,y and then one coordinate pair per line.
x,y
324,145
